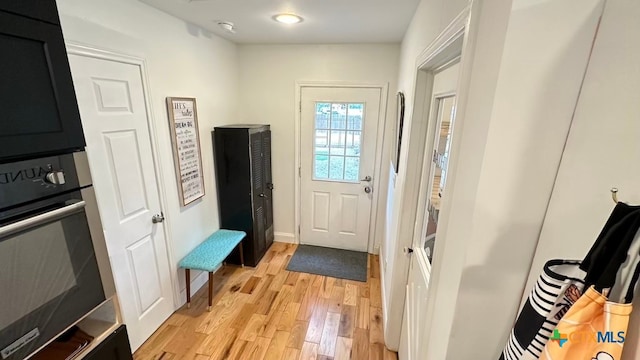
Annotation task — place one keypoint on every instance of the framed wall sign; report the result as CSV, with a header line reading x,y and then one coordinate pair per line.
x,y
397,140
185,138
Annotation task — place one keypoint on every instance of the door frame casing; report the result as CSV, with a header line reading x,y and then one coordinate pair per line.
x,y
90,51
372,247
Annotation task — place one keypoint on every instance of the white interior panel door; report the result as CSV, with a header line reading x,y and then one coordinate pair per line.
x,y
412,344
432,191
415,316
114,117
339,129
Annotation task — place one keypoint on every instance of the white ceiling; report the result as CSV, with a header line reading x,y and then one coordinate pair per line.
x,y
325,21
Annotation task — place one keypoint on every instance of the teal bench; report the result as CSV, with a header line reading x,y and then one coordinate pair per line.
x,y
209,255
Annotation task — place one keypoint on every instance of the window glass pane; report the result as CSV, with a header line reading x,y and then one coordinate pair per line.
x,y
336,168
321,166
352,168
352,143
321,161
339,116
323,114
323,108
338,139
322,138
354,116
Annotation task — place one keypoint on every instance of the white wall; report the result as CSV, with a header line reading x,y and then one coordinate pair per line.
x,y
182,60
545,54
268,74
603,149
431,17
521,75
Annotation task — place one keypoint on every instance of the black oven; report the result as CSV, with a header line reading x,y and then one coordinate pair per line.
x,y
49,276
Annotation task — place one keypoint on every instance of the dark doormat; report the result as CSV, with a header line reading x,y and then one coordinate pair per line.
x,y
343,264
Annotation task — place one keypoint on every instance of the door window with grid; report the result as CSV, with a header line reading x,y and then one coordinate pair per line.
x,y
337,141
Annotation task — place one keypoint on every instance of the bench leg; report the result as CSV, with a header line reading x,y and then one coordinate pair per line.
x,y
210,291
241,254
187,273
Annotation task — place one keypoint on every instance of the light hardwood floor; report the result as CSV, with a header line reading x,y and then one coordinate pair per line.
x,y
270,313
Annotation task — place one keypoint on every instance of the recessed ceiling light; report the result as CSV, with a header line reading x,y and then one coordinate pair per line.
x,y
288,19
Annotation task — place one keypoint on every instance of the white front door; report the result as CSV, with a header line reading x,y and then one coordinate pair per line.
x,y
339,129
414,332
115,121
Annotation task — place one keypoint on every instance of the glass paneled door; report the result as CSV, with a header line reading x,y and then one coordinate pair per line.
x,y
438,174
338,134
435,169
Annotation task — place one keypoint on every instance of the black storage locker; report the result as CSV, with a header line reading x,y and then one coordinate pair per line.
x,y
242,156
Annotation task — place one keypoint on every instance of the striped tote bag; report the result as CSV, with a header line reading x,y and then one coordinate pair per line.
x,y
596,325
557,289
562,283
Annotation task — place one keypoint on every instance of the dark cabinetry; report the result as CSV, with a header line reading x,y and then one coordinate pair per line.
x,y
39,110
114,347
243,173
44,10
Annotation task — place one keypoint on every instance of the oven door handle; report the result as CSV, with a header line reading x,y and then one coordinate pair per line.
x,y
40,219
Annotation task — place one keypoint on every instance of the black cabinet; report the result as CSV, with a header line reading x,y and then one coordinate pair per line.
x,y
43,10
39,108
114,347
245,187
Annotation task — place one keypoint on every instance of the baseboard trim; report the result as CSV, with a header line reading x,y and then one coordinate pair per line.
x,y
282,237
383,294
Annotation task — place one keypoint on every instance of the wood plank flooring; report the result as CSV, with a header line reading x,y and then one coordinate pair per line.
x,y
268,313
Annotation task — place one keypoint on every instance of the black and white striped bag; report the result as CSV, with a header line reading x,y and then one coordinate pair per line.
x,y
562,283
559,286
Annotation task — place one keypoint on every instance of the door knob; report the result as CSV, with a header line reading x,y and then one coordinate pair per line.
x,y
367,189
407,250
367,178
157,218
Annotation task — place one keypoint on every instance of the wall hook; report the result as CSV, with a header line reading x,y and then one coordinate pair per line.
x,y
614,195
